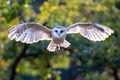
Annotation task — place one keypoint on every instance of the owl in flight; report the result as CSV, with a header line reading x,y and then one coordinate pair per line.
x,y
34,32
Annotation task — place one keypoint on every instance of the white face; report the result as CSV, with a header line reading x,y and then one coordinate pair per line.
x,y
58,32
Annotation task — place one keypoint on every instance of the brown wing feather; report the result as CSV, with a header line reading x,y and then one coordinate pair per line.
x,y
29,33
91,31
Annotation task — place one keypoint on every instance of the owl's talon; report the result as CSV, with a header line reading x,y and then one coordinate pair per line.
x,y
59,49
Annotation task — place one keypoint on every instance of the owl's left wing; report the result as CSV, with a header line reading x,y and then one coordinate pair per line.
x,y
91,31
29,33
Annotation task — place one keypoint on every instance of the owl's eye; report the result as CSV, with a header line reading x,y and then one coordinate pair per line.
x,y
61,31
56,31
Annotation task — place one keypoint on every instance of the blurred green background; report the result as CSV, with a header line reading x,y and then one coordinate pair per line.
x,y
84,60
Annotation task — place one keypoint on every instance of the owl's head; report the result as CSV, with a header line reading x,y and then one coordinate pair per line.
x,y
58,32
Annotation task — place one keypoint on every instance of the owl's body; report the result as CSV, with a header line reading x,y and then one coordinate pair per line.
x,y
34,32
58,39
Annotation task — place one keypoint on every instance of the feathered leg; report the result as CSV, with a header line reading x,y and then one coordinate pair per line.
x,y
57,47
52,46
65,44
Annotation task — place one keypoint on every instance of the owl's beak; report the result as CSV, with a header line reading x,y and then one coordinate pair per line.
x,y
59,34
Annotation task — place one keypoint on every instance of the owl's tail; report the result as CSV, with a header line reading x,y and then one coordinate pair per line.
x,y
53,46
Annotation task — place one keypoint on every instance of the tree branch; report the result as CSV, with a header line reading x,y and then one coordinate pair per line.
x,y
15,63
115,71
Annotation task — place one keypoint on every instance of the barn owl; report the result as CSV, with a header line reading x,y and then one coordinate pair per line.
x,y
33,32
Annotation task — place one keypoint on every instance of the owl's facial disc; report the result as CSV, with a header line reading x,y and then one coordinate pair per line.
x,y
59,32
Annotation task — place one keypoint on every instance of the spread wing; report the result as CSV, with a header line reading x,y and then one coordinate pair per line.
x,y
29,33
91,31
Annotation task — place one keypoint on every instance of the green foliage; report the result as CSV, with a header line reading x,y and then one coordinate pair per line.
x,y
94,60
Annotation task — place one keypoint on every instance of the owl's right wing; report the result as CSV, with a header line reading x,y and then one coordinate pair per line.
x,y
91,31
29,33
